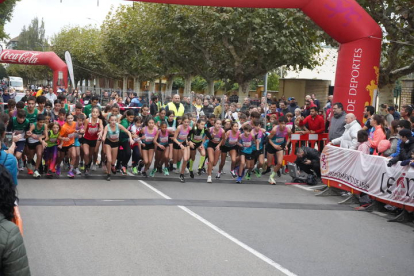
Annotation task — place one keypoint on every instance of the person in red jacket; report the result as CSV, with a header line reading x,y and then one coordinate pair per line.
x,y
315,122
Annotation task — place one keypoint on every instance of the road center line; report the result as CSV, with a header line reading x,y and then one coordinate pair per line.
x,y
225,234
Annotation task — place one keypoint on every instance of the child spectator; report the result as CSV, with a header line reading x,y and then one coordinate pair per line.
x,y
364,145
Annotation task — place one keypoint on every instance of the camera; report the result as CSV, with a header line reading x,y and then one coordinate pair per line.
x,y
8,140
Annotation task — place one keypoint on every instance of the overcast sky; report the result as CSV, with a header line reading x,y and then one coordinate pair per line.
x,y
60,13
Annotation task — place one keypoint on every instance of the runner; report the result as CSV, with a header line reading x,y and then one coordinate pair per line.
x,y
111,143
278,141
181,149
171,127
93,132
246,142
162,152
19,126
80,130
216,136
36,144
136,147
51,151
195,140
124,146
230,146
258,153
67,136
148,134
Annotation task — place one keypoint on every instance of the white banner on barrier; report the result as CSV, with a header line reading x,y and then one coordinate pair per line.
x,y
369,174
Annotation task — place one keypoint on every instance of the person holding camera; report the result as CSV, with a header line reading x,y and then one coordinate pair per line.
x,y
7,159
308,160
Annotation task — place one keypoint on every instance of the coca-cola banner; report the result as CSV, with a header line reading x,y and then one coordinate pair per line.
x,y
60,70
369,174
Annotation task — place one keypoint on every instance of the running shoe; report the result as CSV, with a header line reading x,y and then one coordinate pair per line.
x,y
49,174
239,179
267,170
113,170
29,171
93,167
77,171
272,180
159,169
108,177
81,166
152,173
233,174
182,178
36,174
30,166
278,173
21,168
87,172
248,176
191,174
209,179
218,175
134,170
203,170
258,173
71,174
186,171
58,171
144,174
199,172
124,171
166,172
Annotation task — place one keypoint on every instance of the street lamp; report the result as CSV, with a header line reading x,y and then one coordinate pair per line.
x,y
93,20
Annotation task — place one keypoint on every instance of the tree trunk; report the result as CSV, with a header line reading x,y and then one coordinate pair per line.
x,y
243,91
187,85
124,85
386,94
137,85
210,87
168,89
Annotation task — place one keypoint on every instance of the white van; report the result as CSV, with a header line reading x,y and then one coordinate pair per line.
x,y
17,84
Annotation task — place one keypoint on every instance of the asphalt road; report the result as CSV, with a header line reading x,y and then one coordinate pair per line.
x,y
160,226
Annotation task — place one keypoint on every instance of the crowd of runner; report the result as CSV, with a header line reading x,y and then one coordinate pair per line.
x,y
55,131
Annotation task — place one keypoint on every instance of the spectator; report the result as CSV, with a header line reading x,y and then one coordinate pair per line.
x,y
315,122
93,103
316,101
246,105
7,159
198,104
218,109
207,109
409,161
50,96
389,117
406,112
234,98
26,96
105,100
86,97
337,126
234,113
406,148
369,111
255,101
306,109
396,114
363,144
154,106
175,106
349,138
283,109
292,105
394,139
307,160
273,111
135,102
13,258
187,105
378,134
6,96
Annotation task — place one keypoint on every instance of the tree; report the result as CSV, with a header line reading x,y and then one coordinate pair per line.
x,y
396,18
3,72
29,73
33,37
85,47
6,11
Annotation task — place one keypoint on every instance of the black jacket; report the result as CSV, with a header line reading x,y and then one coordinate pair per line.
x,y
311,154
405,151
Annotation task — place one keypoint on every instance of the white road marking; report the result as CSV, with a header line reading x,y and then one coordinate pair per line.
x,y
113,200
308,188
225,234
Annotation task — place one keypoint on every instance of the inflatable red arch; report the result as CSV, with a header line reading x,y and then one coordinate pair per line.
x,y
356,81
60,70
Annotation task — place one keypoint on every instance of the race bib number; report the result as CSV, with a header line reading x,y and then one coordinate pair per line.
x,y
182,137
198,138
149,139
280,140
114,136
72,135
247,144
217,139
164,140
92,130
52,140
232,141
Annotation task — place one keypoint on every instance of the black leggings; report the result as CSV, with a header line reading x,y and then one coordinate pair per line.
x,y
136,156
124,155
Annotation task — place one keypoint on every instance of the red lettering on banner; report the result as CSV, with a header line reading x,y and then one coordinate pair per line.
x,y
23,58
353,85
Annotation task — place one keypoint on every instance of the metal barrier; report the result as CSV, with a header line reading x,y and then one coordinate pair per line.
x,y
309,140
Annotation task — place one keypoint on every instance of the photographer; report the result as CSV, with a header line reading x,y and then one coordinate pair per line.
x,y
308,160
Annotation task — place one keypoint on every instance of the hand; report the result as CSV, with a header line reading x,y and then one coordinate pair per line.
x,y
217,148
66,139
82,131
44,144
34,136
286,148
28,133
191,145
330,144
16,138
181,146
131,141
312,131
161,147
278,147
307,162
389,164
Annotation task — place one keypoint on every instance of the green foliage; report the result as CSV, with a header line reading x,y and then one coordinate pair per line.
x,y
396,17
85,47
6,11
30,74
178,83
198,84
273,82
33,37
3,72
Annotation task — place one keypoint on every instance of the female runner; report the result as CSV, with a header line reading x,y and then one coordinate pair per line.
x,y
181,150
216,136
93,132
161,142
230,146
195,140
148,134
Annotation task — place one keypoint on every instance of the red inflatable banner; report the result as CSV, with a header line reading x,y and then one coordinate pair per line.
x,y
60,70
356,81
